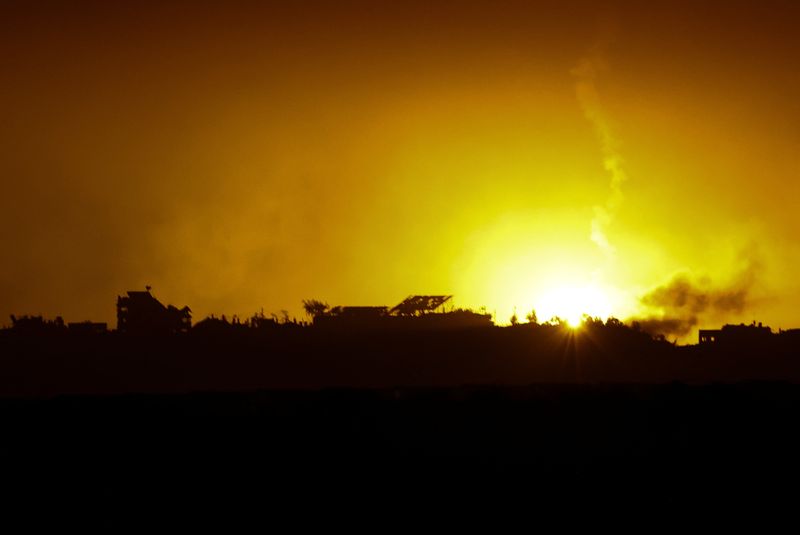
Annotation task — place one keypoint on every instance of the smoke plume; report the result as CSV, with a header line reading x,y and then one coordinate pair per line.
x,y
678,306
586,91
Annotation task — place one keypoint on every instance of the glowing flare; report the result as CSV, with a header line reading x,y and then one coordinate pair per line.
x,y
571,303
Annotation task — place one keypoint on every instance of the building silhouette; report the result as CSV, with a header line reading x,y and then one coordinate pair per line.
x,y
141,313
415,312
735,334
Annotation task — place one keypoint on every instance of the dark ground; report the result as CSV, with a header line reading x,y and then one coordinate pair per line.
x,y
298,420
288,357
668,442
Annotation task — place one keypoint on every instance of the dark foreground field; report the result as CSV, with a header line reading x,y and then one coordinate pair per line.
x,y
299,418
37,366
644,443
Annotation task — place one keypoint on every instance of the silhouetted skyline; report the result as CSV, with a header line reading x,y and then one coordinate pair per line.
x,y
417,247
419,342
516,155
140,312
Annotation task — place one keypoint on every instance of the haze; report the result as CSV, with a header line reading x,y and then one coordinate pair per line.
x,y
239,156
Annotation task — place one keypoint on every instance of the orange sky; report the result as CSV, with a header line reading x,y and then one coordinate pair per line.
x,y
238,156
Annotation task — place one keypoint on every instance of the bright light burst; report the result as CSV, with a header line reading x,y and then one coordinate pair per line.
x,y
571,303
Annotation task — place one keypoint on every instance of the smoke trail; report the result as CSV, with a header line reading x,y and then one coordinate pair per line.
x,y
586,91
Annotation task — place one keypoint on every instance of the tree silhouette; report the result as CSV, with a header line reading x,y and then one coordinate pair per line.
x,y
315,308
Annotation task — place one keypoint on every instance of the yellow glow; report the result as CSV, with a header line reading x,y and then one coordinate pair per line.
x,y
572,302
510,180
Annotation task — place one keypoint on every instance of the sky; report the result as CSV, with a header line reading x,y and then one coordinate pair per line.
x,y
629,159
